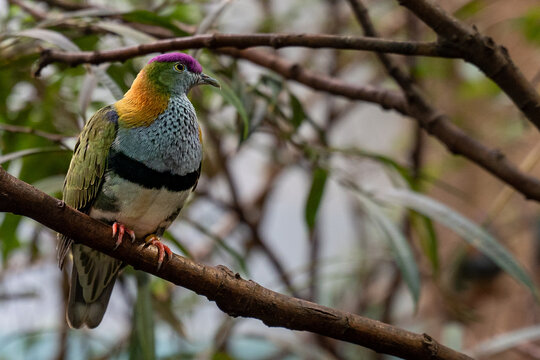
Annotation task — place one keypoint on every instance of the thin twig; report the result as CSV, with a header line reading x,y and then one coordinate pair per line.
x,y
57,138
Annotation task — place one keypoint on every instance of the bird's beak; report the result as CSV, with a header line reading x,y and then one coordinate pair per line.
x,y
207,80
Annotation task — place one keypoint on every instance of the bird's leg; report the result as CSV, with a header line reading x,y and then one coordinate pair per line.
x,y
120,229
163,249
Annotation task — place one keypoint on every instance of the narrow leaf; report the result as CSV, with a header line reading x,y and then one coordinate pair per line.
x,y
472,233
230,96
142,344
428,238
398,243
50,36
51,185
298,113
107,81
26,152
506,341
126,31
85,95
150,18
315,195
222,244
167,235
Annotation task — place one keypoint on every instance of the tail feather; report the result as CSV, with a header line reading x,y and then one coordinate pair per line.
x,y
79,311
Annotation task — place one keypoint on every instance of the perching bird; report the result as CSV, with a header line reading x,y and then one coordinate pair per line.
x,y
133,167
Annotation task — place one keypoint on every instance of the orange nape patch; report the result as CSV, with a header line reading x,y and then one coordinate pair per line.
x,y
200,134
142,104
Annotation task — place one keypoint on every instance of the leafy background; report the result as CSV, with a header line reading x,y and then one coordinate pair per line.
x,y
304,192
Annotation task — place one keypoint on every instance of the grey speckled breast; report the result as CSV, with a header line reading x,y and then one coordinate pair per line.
x,y
171,143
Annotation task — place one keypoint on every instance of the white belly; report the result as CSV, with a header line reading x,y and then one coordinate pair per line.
x,y
139,209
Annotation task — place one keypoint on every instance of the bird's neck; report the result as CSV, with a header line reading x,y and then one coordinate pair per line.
x,y
142,104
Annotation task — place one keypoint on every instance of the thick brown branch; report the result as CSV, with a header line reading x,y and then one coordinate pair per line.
x,y
242,41
482,51
232,294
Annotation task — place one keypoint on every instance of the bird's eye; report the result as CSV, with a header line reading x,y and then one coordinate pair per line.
x,y
179,67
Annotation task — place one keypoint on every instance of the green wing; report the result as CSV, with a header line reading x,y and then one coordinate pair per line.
x,y
88,166
89,160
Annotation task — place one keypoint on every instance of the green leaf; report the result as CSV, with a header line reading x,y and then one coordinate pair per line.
x,y
275,84
385,160
478,88
398,243
142,344
167,235
430,244
529,25
472,233
126,31
222,244
187,13
469,9
107,81
298,113
428,238
8,234
230,96
150,18
220,355
316,191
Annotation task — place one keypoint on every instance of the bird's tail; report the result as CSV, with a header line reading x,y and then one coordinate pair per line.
x,y
79,311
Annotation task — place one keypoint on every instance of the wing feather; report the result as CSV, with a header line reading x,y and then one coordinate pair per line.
x,y
88,166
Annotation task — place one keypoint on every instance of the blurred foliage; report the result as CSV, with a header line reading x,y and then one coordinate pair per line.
x,y
259,133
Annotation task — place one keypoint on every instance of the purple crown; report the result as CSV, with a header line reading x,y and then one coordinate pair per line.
x,y
192,64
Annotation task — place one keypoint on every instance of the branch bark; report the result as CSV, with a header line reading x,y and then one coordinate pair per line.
x,y
232,294
482,51
242,41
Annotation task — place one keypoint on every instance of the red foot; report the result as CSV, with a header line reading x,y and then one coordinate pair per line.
x,y
121,229
162,248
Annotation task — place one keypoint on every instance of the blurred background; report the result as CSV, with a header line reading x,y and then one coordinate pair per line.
x,y
307,193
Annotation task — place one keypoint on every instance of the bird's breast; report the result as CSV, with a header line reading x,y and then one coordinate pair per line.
x,y
171,143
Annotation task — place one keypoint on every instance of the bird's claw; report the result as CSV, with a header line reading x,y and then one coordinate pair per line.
x,y
120,229
162,249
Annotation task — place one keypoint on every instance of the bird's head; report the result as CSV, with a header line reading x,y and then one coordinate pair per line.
x,y
164,76
177,73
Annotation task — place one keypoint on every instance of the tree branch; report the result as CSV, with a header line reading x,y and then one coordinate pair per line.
x,y
490,57
415,106
242,41
232,294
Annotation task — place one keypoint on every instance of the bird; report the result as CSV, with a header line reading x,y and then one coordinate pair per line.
x,y
133,167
